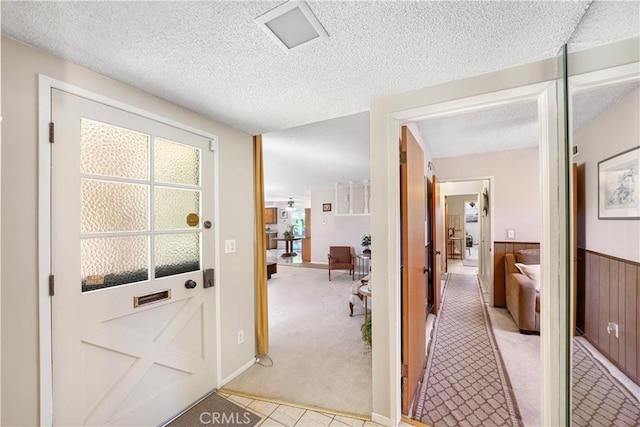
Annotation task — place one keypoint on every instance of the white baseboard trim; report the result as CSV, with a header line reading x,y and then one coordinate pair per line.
x,y
384,421
237,372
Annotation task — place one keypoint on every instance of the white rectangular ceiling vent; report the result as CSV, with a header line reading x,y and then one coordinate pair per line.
x,y
292,25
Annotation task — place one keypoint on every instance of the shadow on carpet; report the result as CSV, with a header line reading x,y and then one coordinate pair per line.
x,y
217,411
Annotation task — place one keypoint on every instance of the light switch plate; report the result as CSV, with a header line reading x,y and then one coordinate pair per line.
x,y
511,234
229,246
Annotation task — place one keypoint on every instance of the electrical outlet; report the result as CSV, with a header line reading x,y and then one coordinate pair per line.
x,y
511,234
240,336
229,246
612,327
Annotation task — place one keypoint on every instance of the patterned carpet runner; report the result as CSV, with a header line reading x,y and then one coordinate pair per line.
x,y
598,398
465,380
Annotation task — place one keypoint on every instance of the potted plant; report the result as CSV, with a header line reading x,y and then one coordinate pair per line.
x,y
366,331
366,242
289,232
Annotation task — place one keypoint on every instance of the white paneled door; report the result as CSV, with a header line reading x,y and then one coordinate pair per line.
x,y
133,325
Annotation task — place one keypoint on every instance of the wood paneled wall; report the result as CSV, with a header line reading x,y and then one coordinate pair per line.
x,y
611,294
499,250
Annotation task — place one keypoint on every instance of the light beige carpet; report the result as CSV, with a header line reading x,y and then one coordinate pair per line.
x,y
319,358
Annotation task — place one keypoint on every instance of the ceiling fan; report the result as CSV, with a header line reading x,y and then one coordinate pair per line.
x,y
290,205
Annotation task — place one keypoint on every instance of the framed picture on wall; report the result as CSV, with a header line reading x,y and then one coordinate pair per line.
x,y
619,186
284,214
326,207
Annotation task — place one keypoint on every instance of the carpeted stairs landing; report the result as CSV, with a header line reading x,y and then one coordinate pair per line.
x,y
465,381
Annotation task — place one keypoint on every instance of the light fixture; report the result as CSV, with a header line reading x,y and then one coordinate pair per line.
x,y
290,205
291,25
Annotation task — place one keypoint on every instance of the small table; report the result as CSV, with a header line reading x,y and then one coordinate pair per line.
x,y
364,264
453,241
288,242
365,291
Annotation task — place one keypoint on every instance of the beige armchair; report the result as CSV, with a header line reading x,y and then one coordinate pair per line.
x,y
341,258
523,295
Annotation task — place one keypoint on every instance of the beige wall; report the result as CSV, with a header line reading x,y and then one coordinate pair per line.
x,y
476,187
20,67
0,240
612,132
385,212
328,229
515,196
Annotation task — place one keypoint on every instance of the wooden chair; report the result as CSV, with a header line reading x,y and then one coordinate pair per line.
x,y
341,258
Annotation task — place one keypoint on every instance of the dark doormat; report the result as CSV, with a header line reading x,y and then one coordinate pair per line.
x,y
215,410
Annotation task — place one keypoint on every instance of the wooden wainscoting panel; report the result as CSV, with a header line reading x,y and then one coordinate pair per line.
x,y
581,296
614,297
611,295
631,321
499,294
622,305
499,251
603,288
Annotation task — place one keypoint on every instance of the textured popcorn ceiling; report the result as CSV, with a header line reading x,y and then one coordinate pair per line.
x,y
212,58
508,127
513,126
315,156
588,104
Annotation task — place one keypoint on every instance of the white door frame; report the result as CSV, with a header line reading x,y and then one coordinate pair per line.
x,y
482,254
45,86
544,94
386,116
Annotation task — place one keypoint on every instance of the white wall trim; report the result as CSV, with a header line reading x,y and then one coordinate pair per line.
x,y
237,372
394,121
45,86
553,191
382,420
615,75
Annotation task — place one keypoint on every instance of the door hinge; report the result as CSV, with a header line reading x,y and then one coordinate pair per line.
x,y
405,370
51,132
403,157
51,285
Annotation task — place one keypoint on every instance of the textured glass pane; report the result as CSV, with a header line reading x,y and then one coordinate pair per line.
x,y
113,206
113,261
172,206
112,151
176,163
177,253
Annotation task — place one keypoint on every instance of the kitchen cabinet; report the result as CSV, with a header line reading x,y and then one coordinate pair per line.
x,y
271,237
270,215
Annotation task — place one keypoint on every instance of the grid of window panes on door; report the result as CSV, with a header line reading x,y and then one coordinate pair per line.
x,y
140,206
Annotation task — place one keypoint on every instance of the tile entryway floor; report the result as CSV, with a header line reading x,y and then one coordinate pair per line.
x,y
274,414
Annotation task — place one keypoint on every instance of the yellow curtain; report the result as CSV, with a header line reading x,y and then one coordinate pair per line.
x,y
262,313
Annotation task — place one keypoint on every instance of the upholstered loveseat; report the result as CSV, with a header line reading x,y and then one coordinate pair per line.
x,y
522,280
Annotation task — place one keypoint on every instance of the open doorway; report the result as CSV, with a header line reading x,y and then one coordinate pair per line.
x,y
462,234
467,167
316,195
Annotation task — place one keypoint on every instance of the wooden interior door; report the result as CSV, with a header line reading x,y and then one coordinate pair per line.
x,y
574,242
414,307
437,250
306,242
447,240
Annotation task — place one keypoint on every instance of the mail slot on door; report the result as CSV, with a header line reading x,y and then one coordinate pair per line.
x,y
208,278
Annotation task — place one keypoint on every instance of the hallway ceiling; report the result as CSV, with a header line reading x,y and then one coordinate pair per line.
x,y
212,58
